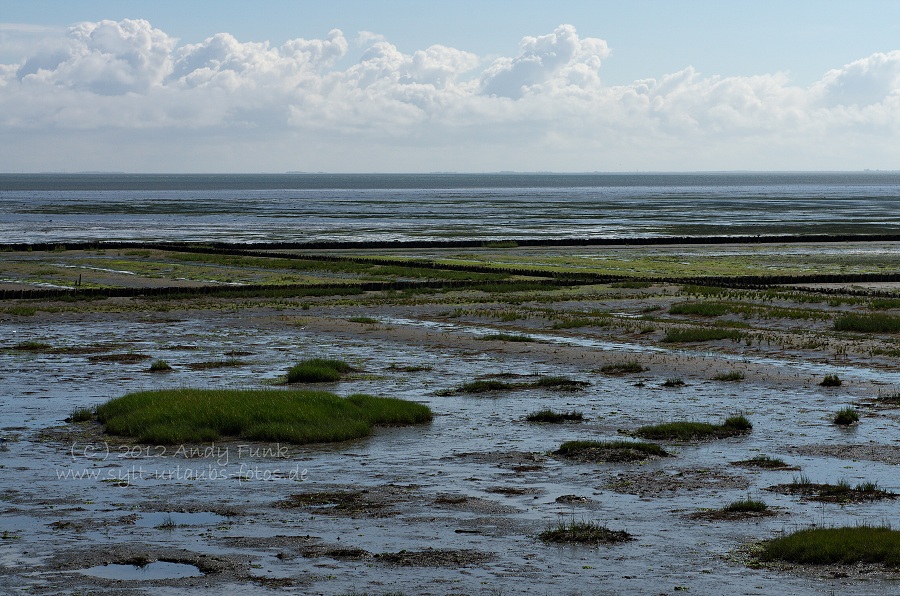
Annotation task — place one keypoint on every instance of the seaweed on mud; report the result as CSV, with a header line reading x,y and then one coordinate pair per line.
x,y
609,451
583,532
434,557
764,462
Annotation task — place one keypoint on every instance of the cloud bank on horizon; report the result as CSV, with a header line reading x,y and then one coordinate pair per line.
x,y
127,96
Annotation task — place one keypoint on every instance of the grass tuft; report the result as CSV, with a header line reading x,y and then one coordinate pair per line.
x,y
583,533
674,383
622,368
765,462
81,415
160,365
200,415
836,546
485,386
831,381
730,376
318,370
842,492
747,505
868,323
691,431
846,416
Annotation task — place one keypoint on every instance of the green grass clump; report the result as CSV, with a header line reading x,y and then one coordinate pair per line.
x,y
557,382
689,431
366,320
318,370
506,337
730,376
199,415
673,383
846,416
609,451
621,368
160,365
573,323
765,462
836,546
554,417
706,309
868,323
485,385
831,381
81,415
583,533
747,505
701,334
885,303
548,382
842,492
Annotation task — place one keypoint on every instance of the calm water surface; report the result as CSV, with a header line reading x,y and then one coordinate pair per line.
x,y
314,207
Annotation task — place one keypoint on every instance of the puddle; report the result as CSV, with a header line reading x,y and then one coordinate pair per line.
x,y
152,571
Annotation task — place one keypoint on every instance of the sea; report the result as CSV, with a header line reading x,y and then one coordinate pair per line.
x,y
301,207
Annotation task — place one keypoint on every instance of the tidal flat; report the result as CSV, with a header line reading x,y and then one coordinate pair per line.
x,y
458,504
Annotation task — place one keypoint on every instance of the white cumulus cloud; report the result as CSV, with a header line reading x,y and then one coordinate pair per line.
x,y
542,107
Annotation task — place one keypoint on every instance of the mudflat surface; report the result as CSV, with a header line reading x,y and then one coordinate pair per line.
x,y
455,506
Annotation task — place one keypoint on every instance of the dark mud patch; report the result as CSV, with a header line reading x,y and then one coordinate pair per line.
x,y
513,490
574,500
888,454
726,515
214,364
514,460
477,505
279,541
217,509
583,532
664,483
381,501
833,493
125,358
434,558
609,451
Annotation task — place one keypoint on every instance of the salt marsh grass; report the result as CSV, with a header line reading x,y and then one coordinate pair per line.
x,y
318,370
868,323
701,334
841,545
197,415
687,431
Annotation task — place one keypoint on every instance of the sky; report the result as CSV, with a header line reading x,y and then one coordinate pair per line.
x,y
425,86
